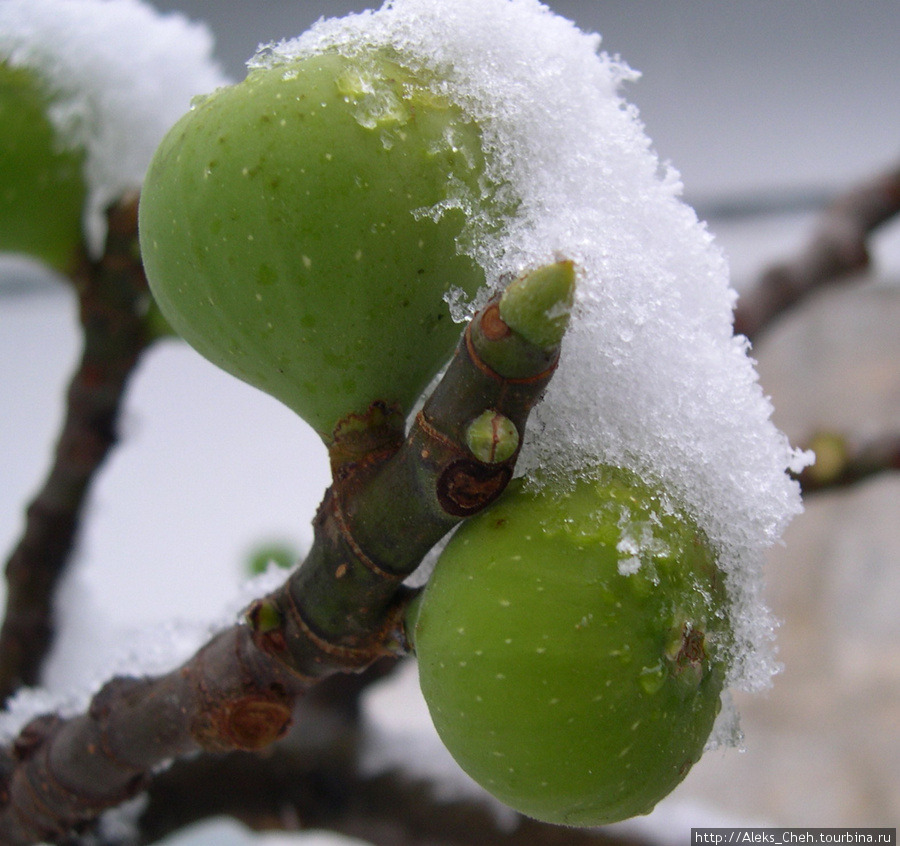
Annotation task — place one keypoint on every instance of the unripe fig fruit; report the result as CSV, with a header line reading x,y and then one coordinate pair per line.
x,y
42,189
571,648
291,232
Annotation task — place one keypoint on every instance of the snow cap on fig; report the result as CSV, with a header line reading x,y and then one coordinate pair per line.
x,y
117,74
652,377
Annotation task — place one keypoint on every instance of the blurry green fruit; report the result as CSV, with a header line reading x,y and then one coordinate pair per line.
x,y
571,649
42,190
280,554
290,234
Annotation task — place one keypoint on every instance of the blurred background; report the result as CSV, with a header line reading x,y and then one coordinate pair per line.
x,y
767,110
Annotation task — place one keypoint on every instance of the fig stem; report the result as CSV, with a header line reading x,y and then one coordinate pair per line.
x,y
340,611
379,520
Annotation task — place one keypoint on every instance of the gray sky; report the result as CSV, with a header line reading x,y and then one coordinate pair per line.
x,y
743,97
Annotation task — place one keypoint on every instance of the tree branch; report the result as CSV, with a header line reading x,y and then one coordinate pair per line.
x,y
113,302
837,250
311,779
339,612
288,791
841,462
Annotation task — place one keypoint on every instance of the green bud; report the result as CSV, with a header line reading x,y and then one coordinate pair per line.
x,y
264,616
537,304
280,554
492,438
832,455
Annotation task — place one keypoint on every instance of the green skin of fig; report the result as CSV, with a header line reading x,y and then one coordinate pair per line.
x,y
281,235
42,189
571,648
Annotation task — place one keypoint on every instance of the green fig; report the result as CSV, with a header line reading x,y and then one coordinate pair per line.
x,y
572,647
300,230
42,188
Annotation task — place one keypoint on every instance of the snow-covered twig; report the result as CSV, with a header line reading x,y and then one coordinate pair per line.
x,y
113,301
838,249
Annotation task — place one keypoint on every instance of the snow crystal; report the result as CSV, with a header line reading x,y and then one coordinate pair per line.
x,y
652,377
120,74
638,542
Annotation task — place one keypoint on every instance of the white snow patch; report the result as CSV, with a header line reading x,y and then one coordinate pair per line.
x,y
223,831
652,377
73,675
119,74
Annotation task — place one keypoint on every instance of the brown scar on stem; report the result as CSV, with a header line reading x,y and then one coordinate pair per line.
x,y
251,722
493,325
467,487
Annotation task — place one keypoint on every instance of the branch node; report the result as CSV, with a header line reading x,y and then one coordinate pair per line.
x,y
492,324
33,736
249,723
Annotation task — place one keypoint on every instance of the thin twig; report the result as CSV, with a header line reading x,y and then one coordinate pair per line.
x,y
841,461
837,250
113,301
292,791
